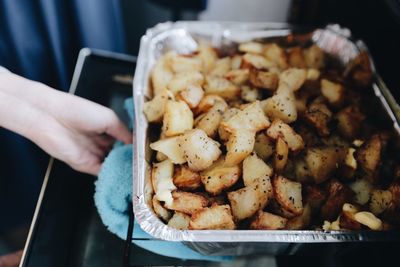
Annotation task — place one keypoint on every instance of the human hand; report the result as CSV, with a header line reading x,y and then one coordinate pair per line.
x,y
72,129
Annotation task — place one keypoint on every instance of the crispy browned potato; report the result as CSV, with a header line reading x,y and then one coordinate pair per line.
x,y
359,70
256,61
170,148
293,77
246,201
314,57
276,54
254,168
221,86
267,221
282,105
288,194
161,179
315,196
238,76
192,95
350,120
219,177
207,102
334,92
264,146
362,189
179,221
186,179
369,156
346,218
324,161
199,150
213,218
177,118
264,79
318,116
281,155
279,129
300,222
394,188
337,196
161,212
296,58
187,202
239,146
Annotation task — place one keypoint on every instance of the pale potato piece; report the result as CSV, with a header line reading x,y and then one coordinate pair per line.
x,y
207,102
210,122
300,222
239,146
170,148
368,219
282,105
246,201
229,113
181,64
257,61
221,67
314,57
280,129
362,189
192,95
350,160
200,151
293,77
162,73
220,177
207,55
380,200
155,108
249,94
179,221
187,202
161,179
281,155
313,74
252,118
264,79
238,76
236,62
251,47
177,118
181,81
161,212
267,221
213,218
186,179
296,58
276,54
334,92
264,146
254,168
222,87
288,194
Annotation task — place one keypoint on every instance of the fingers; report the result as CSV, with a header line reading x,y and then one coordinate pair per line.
x,y
11,260
118,130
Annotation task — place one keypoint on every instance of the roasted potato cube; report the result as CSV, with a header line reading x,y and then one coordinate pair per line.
x,y
221,67
182,63
251,47
200,151
155,108
170,148
301,171
369,156
213,218
161,179
210,122
179,221
219,177
350,120
252,118
368,219
324,161
177,118
162,73
337,196
264,79
281,155
181,81
293,77
249,94
236,62
264,146
254,168
296,58
318,116
334,92
229,113
276,208
207,55
192,95
380,200
238,76
300,222
282,105
314,57
207,102
394,188
279,129
315,196
362,189
239,146
288,194
187,202
222,87
313,74
256,61
346,218
186,179
276,54
161,212
246,201
267,221
359,70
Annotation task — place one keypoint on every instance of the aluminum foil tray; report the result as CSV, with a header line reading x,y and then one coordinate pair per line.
x,y
183,37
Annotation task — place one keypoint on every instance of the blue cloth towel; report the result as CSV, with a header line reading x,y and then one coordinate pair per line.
x,y
114,194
